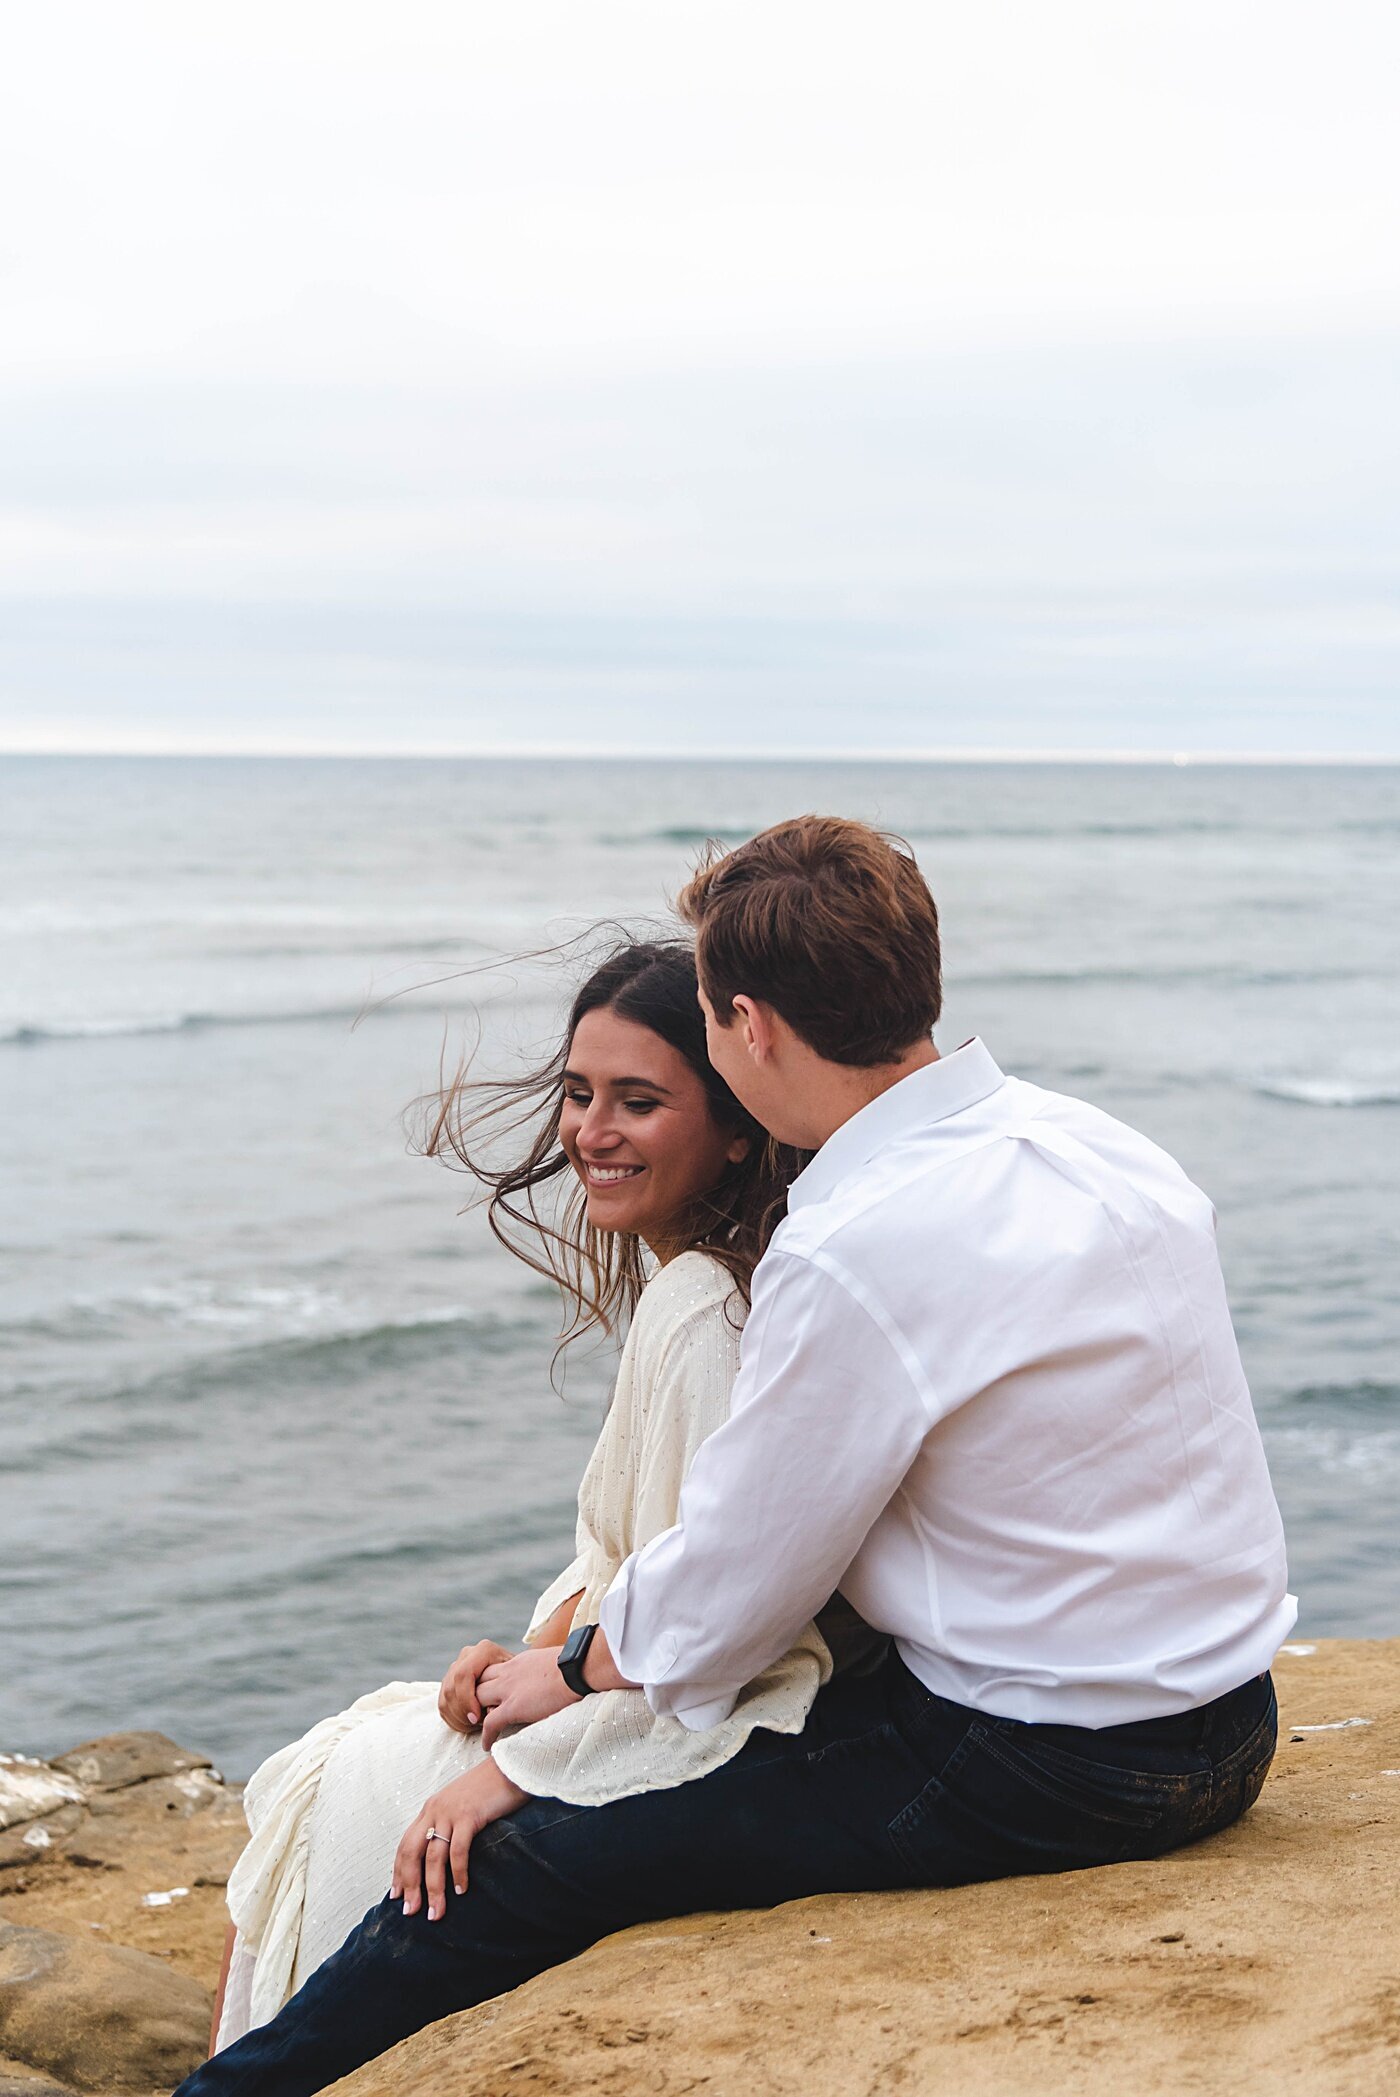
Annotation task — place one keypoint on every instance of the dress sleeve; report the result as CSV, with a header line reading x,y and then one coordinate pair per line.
x,y
578,1576
596,1557
674,1390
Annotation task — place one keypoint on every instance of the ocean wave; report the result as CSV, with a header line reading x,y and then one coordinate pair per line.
x,y
1364,1395
1176,976
294,917
690,834
168,1404
299,1306
1331,1092
288,1313
34,1034
928,835
1332,1450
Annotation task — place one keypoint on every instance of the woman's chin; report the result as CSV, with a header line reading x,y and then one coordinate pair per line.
x,y
607,1213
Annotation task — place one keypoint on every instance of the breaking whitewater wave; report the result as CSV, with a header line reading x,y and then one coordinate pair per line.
x,y
34,1034
1331,1092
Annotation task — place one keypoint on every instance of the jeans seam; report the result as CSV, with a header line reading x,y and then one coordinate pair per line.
x,y
1245,1759
936,1783
1025,1770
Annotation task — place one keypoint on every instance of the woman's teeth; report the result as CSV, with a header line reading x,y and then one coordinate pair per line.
x,y
609,1175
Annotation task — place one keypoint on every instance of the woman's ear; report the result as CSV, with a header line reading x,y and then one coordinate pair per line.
x,y
738,1150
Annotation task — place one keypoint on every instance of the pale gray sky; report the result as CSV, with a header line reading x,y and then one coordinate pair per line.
x,y
700,376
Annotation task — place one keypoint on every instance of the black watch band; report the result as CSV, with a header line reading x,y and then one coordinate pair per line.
x,y
572,1655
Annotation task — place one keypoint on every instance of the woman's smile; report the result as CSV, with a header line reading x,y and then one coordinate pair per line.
x,y
609,1175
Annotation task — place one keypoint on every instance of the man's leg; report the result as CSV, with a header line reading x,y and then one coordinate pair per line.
x,y
552,1879
886,1786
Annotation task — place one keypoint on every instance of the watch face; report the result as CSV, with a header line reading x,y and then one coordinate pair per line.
x,y
576,1642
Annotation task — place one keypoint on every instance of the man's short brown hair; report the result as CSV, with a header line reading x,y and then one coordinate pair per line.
x,y
829,922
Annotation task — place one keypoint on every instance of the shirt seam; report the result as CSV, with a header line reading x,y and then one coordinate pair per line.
x,y
856,1212
865,1300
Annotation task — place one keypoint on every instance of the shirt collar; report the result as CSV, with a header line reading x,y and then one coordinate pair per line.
x,y
930,1094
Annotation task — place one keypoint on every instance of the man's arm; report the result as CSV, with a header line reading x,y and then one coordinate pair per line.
x,y
828,1413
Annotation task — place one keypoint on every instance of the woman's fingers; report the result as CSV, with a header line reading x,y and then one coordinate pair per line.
x,y
458,1852
407,1880
459,1702
435,1873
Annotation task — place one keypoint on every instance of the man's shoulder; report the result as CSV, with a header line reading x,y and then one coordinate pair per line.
x,y
933,1183
1126,1155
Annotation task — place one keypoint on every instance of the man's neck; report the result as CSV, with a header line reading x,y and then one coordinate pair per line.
x,y
842,1091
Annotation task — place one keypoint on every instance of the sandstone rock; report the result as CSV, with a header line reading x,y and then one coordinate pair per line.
x,y
29,1789
121,1825
34,1841
119,1759
1263,1959
17,2082
98,2016
87,1870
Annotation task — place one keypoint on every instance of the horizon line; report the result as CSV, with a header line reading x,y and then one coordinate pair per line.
x,y
612,753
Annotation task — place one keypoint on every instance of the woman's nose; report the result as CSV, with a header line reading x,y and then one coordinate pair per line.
x,y
596,1130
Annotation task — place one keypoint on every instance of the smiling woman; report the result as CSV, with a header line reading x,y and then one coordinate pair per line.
x,y
638,1157
642,1145
636,1143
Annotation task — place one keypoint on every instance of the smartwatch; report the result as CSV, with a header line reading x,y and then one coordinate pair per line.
x,y
572,1655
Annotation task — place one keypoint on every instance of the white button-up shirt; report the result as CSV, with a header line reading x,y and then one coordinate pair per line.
x,y
988,1388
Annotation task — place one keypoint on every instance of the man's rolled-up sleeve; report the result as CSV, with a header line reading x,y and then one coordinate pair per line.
x,y
827,1415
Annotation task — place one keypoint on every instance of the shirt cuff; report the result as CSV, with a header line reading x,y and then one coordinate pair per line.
x,y
697,1705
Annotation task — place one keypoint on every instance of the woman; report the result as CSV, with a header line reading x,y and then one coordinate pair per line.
x,y
665,1162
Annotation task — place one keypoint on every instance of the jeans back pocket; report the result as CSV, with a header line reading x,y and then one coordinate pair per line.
x,y
1007,1802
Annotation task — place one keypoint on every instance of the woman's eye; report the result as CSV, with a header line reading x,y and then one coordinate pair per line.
x,y
578,1099
641,1106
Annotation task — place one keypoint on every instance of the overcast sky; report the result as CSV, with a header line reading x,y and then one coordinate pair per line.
x,y
679,376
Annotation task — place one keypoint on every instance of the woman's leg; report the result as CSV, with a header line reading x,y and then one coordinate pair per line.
x,y
229,1941
782,1819
326,1816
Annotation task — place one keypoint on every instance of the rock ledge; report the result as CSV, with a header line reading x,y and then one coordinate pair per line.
x,y
1262,1959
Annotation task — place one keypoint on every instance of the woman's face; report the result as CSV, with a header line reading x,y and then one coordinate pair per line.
x,y
637,1128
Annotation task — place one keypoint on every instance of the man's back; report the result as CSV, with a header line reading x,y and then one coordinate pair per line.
x,y
1089,1514
989,1388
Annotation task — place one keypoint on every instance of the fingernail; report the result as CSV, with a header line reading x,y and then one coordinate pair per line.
x,y
460,1886
408,1907
433,1913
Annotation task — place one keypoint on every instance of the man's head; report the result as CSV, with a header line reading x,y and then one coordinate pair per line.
x,y
819,964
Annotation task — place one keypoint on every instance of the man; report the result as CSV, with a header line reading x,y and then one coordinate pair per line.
x,y
990,1390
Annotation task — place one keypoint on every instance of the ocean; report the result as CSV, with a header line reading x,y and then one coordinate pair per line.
x,y
277,1422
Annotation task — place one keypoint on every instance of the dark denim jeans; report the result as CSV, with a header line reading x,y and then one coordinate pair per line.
x,y
886,1786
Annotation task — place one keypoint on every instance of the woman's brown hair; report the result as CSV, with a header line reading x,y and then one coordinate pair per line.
x,y
829,922
535,1203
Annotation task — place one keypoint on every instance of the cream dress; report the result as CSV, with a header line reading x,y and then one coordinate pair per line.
x,y
326,1814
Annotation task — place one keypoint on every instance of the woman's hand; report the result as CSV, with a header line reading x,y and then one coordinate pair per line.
x,y
442,1836
516,1692
458,1702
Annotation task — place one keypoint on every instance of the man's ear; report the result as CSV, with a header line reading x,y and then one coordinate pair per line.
x,y
755,1021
